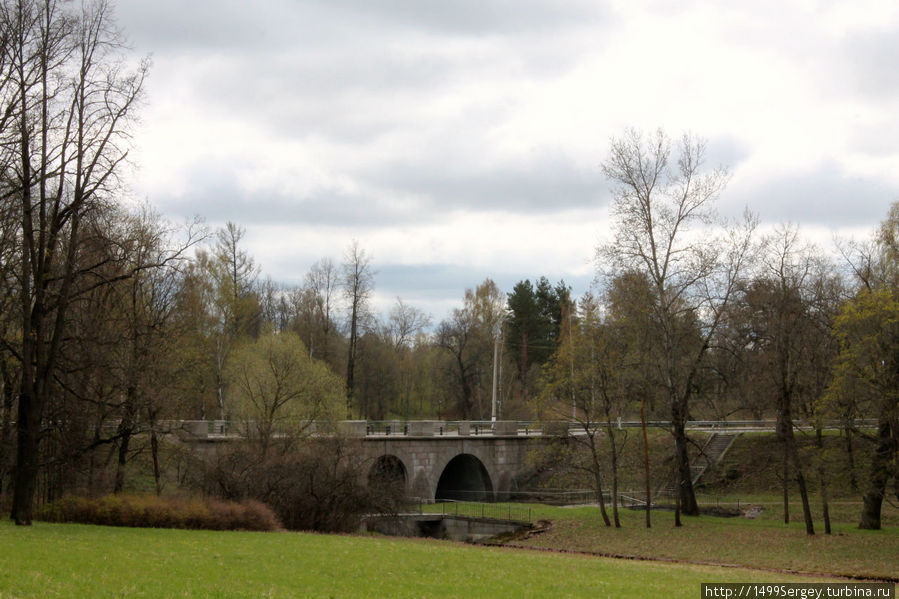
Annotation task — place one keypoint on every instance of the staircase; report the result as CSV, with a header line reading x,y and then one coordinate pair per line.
x,y
711,454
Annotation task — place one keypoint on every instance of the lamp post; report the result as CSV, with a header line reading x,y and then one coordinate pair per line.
x,y
496,340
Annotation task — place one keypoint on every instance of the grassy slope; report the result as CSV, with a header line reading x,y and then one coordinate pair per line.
x,y
67,560
750,474
751,466
762,543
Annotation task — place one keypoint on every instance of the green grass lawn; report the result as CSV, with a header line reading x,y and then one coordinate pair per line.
x,y
70,560
761,543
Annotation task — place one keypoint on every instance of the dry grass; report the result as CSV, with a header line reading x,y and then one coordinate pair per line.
x,y
150,511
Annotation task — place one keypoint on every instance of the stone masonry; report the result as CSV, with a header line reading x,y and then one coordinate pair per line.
x,y
425,458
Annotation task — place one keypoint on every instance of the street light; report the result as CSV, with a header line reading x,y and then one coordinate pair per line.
x,y
497,337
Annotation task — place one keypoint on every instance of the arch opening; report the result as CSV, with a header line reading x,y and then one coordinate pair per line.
x,y
388,473
464,479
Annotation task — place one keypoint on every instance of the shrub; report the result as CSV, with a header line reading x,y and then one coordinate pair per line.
x,y
318,485
150,511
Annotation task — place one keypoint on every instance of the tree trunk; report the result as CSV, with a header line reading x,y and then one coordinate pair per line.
x,y
467,402
646,479
786,480
614,451
685,492
678,483
154,450
351,361
126,431
124,443
800,477
600,499
6,419
597,474
221,359
853,479
825,503
803,494
877,481
28,428
822,480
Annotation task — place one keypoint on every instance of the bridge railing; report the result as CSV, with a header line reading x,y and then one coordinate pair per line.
x,y
200,429
461,428
471,509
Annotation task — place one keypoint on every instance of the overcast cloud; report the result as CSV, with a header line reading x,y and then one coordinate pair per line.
x,y
459,140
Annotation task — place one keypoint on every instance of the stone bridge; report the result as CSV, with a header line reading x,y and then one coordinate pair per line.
x,y
432,460
450,466
435,460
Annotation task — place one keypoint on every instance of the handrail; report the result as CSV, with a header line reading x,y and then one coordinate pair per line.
x,y
475,428
505,512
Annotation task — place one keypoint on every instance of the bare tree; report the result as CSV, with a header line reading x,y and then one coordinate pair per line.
x,y
404,323
469,336
358,285
68,99
144,304
657,199
236,275
321,285
226,278
789,344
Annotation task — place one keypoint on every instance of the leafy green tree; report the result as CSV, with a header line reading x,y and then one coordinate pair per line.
x,y
866,371
629,308
198,332
277,389
867,374
589,373
225,304
533,326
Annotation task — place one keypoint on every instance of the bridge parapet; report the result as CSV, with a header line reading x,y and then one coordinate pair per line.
x,y
450,428
352,428
555,428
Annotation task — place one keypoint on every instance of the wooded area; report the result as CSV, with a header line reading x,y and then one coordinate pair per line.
x,y
113,320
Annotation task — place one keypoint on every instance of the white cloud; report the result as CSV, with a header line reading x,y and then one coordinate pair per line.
x,y
470,135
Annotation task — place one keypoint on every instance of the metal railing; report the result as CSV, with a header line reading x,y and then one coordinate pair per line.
x,y
473,428
469,509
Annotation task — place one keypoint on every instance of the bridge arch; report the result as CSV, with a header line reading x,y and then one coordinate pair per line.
x,y
464,478
388,472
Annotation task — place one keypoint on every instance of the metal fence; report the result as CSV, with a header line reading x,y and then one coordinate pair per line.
x,y
531,427
469,509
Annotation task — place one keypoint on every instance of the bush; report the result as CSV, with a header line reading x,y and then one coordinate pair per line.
x,y
319,485
150,511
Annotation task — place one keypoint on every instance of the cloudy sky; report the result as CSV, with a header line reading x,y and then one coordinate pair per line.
x,y
461,140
